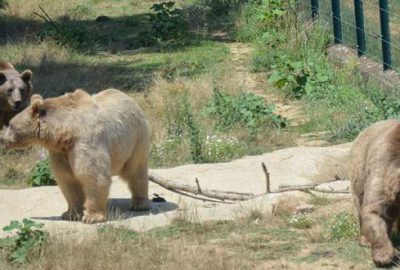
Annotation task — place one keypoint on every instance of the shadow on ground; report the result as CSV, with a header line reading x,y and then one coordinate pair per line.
x,y
120,209
55,78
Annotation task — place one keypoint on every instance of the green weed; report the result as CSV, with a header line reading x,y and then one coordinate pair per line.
x,y
41,175
342,226
246,109
26,243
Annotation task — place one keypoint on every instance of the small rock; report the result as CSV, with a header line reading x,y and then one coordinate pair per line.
x,y
305,208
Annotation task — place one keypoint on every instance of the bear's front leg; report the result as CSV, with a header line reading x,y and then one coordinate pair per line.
x,y
377,231
96,198
69,185
73,192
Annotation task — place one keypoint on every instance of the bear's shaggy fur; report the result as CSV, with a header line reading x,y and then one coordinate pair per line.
x,y
375,182
15,91
90,139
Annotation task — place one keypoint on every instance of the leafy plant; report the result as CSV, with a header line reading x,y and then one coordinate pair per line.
x,y
41,175
26,243
289,75
246,109
342,226
168,23
273,10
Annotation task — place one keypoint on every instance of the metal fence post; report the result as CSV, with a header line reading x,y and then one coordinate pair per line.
x,y
359,16
385,33
314,9
337,27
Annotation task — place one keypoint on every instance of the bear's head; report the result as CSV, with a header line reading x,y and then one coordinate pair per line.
x,y
25,128
15,89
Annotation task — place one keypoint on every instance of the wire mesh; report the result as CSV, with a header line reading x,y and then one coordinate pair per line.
x,y
372,28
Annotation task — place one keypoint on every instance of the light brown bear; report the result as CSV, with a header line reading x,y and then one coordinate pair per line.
x,y
375,182
15,91
90,139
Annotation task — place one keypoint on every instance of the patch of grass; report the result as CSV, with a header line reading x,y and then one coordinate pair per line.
x,y
301,221
320,200
119,233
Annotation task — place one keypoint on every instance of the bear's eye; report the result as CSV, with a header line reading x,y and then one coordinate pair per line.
x,y
9,92
42,112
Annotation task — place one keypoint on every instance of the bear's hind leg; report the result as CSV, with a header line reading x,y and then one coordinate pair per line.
x,y
135,172
69,185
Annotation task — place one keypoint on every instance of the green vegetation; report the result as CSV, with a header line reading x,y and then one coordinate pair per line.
x,y
168,23
301,221
293,52
41,175
27,242
342,226
246,109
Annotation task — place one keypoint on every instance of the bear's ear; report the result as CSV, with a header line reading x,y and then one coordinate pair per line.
x,y
3,78
37,105
26,75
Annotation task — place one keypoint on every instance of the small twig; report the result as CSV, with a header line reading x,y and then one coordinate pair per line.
x,y
198,185
267,179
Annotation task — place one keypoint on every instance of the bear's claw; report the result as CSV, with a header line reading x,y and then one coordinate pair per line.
x,y
94,218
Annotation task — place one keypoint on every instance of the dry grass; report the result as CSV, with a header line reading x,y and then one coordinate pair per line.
x,y
255,239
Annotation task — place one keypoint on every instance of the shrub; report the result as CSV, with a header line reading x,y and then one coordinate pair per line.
x,y
26,242
168,23
247,109
41,175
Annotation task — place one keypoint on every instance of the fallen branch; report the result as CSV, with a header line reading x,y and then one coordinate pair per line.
x,y
310,187
183,189
215,194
